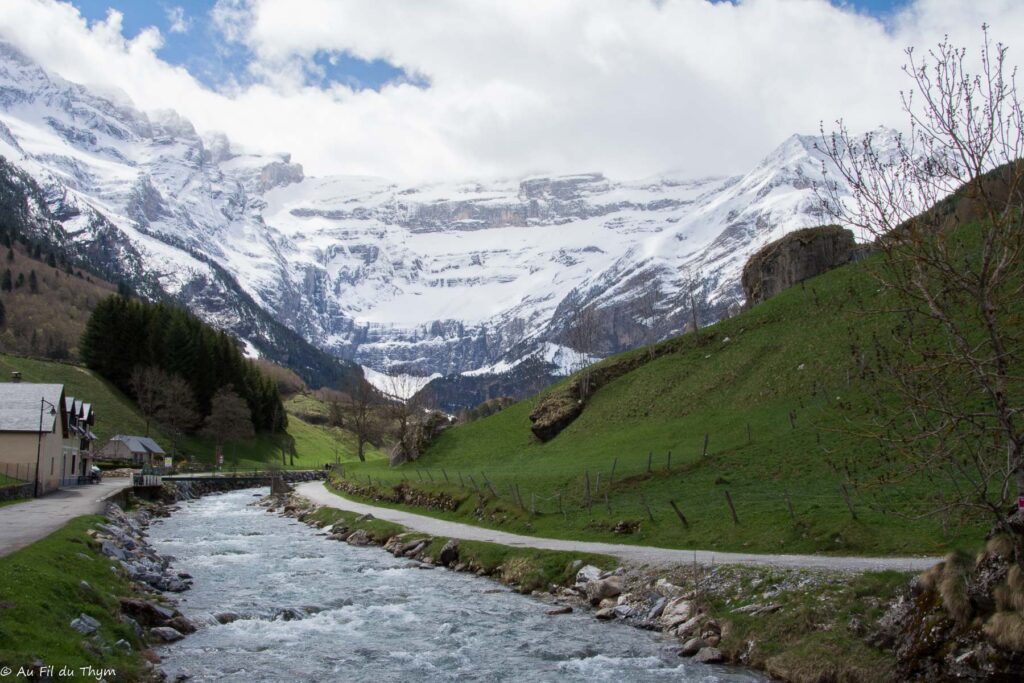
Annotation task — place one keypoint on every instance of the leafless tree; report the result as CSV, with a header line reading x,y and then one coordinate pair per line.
x,y
230,419
695,295
361,408
582,335
647,310
177,413
147,383
405,410
952,277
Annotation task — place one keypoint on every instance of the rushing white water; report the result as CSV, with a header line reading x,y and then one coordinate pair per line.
x,y
319,610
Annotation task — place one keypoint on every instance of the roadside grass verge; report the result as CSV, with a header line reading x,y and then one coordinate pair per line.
x,y
41,592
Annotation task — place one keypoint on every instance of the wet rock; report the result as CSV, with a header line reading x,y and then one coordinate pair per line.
x,y
449,553
564,609
85,624
359,537
180,623
605,614
226,617
165,634
146,613
709,655
692,647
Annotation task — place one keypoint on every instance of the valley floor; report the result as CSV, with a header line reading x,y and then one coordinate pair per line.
x,y
646,555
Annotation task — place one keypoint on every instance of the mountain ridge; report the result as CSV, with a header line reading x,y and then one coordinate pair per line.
x,y
443,278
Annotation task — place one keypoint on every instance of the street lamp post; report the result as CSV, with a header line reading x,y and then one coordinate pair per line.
x,y
39,444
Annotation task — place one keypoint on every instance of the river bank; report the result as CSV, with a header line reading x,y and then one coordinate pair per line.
x,y
796,625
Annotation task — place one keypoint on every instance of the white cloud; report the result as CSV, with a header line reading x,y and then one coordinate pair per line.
x,y
627,87
178,21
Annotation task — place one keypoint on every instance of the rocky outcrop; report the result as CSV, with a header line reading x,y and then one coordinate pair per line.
x,y
796,257
962,620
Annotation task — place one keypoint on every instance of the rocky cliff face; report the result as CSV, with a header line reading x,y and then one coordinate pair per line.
x,y
794,258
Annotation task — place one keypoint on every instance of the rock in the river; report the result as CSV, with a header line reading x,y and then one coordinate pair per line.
x,y
359,537
692,647
605,614
565,609
146,613
165,634
180,623
85,624
226,617
709,655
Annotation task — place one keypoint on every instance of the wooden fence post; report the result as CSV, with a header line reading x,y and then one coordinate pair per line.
x,y
732,509
750,438
682,517
846,497
668,462
611,479
419,474
445,476
704,454
586,488
643,501
789,504
649,456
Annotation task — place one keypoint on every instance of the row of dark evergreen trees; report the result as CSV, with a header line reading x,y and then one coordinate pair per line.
x,y
123,334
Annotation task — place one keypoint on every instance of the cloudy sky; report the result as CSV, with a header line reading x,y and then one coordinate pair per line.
x,y
456,89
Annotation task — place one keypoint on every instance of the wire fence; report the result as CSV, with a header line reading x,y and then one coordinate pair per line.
x,y
619,489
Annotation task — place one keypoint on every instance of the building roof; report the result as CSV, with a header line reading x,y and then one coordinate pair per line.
x,y
20,406
139,444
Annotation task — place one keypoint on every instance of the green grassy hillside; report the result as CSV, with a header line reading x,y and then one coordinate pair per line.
x,y
777,394
116,414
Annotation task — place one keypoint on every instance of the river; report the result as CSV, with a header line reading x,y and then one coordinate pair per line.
x,y
319,610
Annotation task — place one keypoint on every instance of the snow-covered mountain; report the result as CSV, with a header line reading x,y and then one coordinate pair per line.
x,y
473,280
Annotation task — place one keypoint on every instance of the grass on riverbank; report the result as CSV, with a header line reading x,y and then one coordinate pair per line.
x,y
528,569
763,412
41,592
817,634
315,445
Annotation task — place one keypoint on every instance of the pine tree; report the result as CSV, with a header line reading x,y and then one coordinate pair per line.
x,y
51,260
20,281
7,283
3,314
10,255
37,252
33,282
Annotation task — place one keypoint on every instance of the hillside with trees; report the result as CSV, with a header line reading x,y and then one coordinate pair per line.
x,y
126,339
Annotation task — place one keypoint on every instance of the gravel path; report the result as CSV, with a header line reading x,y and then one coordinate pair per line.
x,y
636,554
24,523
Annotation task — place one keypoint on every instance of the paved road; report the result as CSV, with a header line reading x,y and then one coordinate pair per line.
x,y
24,523
636,554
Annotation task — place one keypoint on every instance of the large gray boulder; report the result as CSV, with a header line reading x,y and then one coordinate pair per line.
x,y
794,258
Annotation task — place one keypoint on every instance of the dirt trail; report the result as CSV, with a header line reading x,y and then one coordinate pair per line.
x,y
635,554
